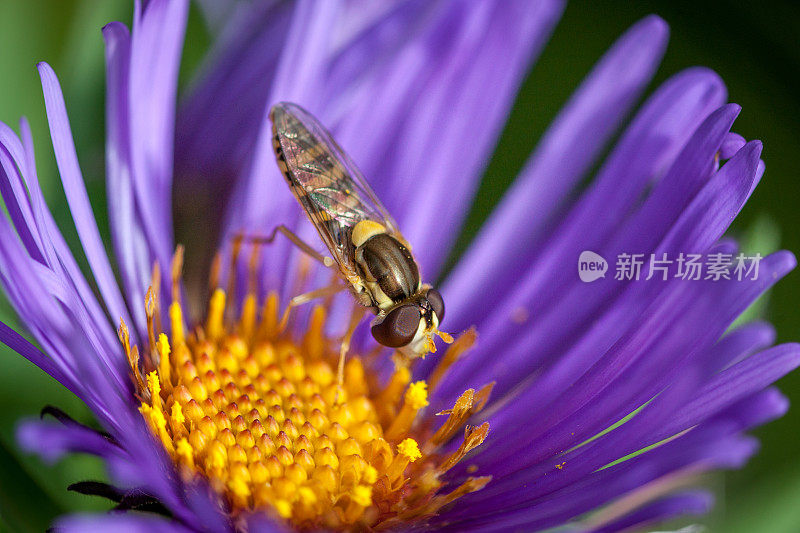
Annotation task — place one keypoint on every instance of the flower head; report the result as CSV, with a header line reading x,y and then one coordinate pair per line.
x,y
587,405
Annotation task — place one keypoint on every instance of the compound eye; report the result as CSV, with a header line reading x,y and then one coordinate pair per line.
x,y
399,326
434,298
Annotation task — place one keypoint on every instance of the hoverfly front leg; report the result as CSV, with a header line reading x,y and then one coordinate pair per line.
x,y
300,299
297,241
306,297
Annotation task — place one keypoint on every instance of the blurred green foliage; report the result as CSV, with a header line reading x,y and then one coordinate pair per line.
x,y
753,46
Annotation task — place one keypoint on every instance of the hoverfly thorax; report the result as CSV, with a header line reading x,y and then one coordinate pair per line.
x,y
386,265
372,255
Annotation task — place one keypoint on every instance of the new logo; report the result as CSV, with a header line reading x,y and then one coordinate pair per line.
x,y
591,266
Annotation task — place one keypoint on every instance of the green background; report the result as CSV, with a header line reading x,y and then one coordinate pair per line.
x,y
753,46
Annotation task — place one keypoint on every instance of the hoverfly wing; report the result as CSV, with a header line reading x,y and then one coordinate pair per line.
x,y
324,180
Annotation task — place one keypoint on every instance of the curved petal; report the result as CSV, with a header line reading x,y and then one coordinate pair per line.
x,y
580,301
77,198
118,522
219,119
447,136
673,506
740,381
297,78
710,447
649,146
52,441
20,344
155,52
640,365
499,38
564,154
49,292
134,256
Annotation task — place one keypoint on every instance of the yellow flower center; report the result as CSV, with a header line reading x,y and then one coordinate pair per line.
x,y
261,416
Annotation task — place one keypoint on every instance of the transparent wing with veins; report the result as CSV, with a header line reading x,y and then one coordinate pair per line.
x,y
325,181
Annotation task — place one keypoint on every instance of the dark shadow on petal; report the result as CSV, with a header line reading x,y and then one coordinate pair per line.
x,y
67,420
132,500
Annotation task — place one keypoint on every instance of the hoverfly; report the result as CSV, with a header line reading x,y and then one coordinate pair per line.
x,y
373,257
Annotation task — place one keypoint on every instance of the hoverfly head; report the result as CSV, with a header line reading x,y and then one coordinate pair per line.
x,y
412,325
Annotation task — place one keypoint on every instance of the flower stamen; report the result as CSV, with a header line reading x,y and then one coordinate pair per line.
x,y
260,415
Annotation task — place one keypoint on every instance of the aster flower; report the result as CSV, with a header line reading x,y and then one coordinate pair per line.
x,y
593,406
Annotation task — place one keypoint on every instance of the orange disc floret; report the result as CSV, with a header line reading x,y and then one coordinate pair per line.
x,y
261,416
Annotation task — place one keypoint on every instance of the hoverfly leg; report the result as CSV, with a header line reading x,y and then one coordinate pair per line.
x,y
400,360
297,241
306,297
355,318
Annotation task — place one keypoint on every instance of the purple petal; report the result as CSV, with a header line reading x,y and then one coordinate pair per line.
x,y
740,381
739,344
697,451
155,51
51,441
733,143
19,344
219,120
75,191
297,78
640,365
14,193
54,313
562,157
442,154
691,502
119,523
757,409
134,257
578,306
